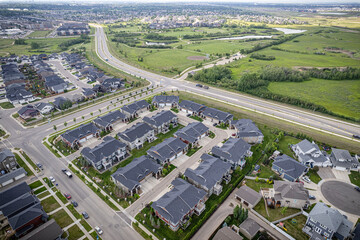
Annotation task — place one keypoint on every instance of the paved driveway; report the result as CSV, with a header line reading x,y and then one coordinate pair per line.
x,y
326,173
342,195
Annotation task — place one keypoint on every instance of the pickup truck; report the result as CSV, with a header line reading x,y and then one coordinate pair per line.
x,y
67,172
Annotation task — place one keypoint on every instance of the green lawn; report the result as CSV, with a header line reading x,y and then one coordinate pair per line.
x,y
295,229
85,225
74,211
192,151
35,184
6,105
61,197
140,231
355,178
44,194
257,185
341,97
314,176
23,165
284,144
39,34
62,218
95,235
29,161
265,172
50,204
40,190
274,214
197,118
75,233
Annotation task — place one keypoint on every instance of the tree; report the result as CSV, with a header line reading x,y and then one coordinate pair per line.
x,y
228,220
236,212
91,113
35,45
55,127
283,210
74,119
82,117
65,124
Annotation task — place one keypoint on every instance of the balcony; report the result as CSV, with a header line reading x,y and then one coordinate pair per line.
x,y
199,208
218,189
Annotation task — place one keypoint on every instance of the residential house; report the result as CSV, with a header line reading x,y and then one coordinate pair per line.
x,y
192,133
342,160
209,174
17,94
72,28
134,109
59,102
10,177
287,194
178,205
215,115
28,112
11,74
7,161
164,100
162,121
76,98
47,231
310,155
55,83
107,122
226,233
249,228
168,150
192,108
73,138
112,84
137,135
88,93
44,108
247,196
247,130
22,210
129,177
288,168
106,154
234,150
324,223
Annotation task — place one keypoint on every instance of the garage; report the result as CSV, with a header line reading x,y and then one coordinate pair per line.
x,y
172,158
161,105
180,154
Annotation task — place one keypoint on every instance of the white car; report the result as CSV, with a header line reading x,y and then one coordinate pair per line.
x,y
306,179
98,230
52,179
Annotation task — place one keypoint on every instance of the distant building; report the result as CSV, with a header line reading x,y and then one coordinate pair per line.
x,y
73,138
217,116
73,29
164,100
342,160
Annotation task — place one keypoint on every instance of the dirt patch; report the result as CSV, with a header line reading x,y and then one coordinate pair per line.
x,y
349,53
304,68
197,58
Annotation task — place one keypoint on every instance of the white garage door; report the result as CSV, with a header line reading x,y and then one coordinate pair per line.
x,y
180,154
184,110
172,158
162,104
82,140
7,182
20,176
89,137
168,104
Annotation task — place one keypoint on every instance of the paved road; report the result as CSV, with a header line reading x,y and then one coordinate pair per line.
x,y
288,113
342,195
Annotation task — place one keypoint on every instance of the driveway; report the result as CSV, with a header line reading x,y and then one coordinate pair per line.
x,y
326,173
342,195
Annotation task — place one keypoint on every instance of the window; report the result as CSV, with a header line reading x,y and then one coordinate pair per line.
x,y
318,230
324,227
326,234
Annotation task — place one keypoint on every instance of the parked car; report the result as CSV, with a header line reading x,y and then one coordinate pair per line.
x,y
234,134
98,230
199,85
67,195
215,124
74,203
356,136
85,215
357,189
306,179
52,179
39,165
312,197
188,115
206,87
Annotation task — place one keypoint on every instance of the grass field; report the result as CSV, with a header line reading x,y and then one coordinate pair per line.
x,y
295,229
62,218
257,185
39,34
6,105
50,204
341,97
355,178
75,233
284,144
274,214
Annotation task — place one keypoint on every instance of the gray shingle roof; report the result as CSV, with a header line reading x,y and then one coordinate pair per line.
x,y
11,175
131,175
42,105
135,106
160,118
290,166
167,149
210,171
26,216
292,190
246,128
109,118
250,226
48,230
10,209
192,106
79,132
217,114
165,99
233,149
248,194
136,131
342,158
192,131
226,233
103,150
14,192
5,153
27,110
59,101
174,204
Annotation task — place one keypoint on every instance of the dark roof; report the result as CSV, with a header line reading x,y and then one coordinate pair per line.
x,y
192,106
11,175
79,132
131,175
289,166
135,106
210,171
136,131
217,114
342,158
250,226
54,80
160,118
192,131
167,149
246,128
27,110
103,150
26,216
182,198
165,99
47,231
109,118
88,92
19,204
248,194
292,190
226,233
17,91
233,149
60,101
5,153
14,192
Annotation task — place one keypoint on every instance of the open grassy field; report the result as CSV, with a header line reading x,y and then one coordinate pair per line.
x,y
342,97
39,34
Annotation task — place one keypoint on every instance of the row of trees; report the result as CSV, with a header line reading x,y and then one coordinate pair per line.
x,y
156,36
262,57
82,39
335,74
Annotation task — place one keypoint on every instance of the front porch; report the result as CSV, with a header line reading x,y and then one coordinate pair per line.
x,y
200,207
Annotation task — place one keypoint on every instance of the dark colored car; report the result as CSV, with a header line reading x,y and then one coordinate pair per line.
x,y
312,197
74,203
39,165
68,196
215,124
356,136
85,215
357,189
188,115
199,85
206,87
63,170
